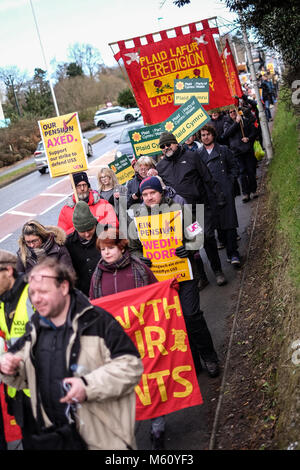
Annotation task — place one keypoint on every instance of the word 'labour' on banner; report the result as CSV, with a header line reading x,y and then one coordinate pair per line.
x,y
63,144
122,168
152,317
187,88
160,235
185,122
155,60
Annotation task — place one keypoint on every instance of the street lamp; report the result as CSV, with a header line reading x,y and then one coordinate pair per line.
x,y
45,61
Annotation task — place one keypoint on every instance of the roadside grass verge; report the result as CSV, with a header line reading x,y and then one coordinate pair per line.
x,y
17,174
25,170
283,313
284,179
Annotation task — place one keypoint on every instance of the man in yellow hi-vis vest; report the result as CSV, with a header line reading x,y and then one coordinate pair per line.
x,y
15,311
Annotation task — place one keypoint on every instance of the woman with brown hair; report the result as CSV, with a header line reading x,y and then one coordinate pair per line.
x,y
38,241
117,270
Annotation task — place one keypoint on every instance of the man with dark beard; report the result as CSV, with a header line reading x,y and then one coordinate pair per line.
x,y
100,208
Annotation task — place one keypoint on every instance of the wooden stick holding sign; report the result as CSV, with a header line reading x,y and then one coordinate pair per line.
x,y
241,121
74,187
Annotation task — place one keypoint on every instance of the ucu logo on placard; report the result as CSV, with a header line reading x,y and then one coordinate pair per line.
x,y
195,228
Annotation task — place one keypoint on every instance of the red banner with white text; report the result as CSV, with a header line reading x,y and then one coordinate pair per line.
x,y
153,319
230,71
168,55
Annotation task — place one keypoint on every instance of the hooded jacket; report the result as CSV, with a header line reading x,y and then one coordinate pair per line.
x,y
53,246
100,208
101,352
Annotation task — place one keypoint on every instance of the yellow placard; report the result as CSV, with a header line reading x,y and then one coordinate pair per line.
x,y
160,235
63,144
125,175
181,98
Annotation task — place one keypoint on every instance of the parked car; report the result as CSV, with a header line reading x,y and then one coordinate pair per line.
x,y
107,116
124,145
41,158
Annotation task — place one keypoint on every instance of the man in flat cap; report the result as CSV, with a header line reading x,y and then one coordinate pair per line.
x,y
15,311
100,208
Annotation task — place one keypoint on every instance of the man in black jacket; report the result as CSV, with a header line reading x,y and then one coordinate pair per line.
x,y
81,245
184,171
241,135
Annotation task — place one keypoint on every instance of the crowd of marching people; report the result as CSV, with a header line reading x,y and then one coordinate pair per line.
x,y
64,357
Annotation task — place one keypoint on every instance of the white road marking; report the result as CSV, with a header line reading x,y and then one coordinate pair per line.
x,y
4,238
27,214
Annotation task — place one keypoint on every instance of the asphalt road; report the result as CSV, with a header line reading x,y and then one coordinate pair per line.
x,y
19,200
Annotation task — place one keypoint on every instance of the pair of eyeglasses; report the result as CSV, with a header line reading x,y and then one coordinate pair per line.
x,y
38,277
232,112
81,186
165,145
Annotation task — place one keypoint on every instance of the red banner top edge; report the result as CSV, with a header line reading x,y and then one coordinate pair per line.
x,y
164,36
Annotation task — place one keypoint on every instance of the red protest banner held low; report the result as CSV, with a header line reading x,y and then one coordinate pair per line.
x,y
154,61
153,319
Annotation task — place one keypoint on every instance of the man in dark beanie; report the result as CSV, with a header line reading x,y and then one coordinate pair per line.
x,y
152,182
187,174
81,245
100,208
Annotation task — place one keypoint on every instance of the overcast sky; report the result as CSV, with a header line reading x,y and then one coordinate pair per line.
x,y
97,22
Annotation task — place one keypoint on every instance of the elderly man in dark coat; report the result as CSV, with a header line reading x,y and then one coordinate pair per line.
x,y
223,166
241,134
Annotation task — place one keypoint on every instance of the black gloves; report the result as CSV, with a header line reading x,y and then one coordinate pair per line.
x,y
181,252
146,261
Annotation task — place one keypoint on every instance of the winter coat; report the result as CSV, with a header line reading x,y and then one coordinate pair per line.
x,y
54,246
266,95
85,257
132,188
188,175
233,132
128,273
223,166
106,358
100,208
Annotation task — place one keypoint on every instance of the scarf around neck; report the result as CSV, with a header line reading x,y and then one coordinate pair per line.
x,y
139,272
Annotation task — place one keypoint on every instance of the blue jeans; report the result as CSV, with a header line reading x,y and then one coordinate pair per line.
x,y
267,110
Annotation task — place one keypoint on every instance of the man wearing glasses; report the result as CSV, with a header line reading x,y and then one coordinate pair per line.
x,y
75,354
99,207
15,311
